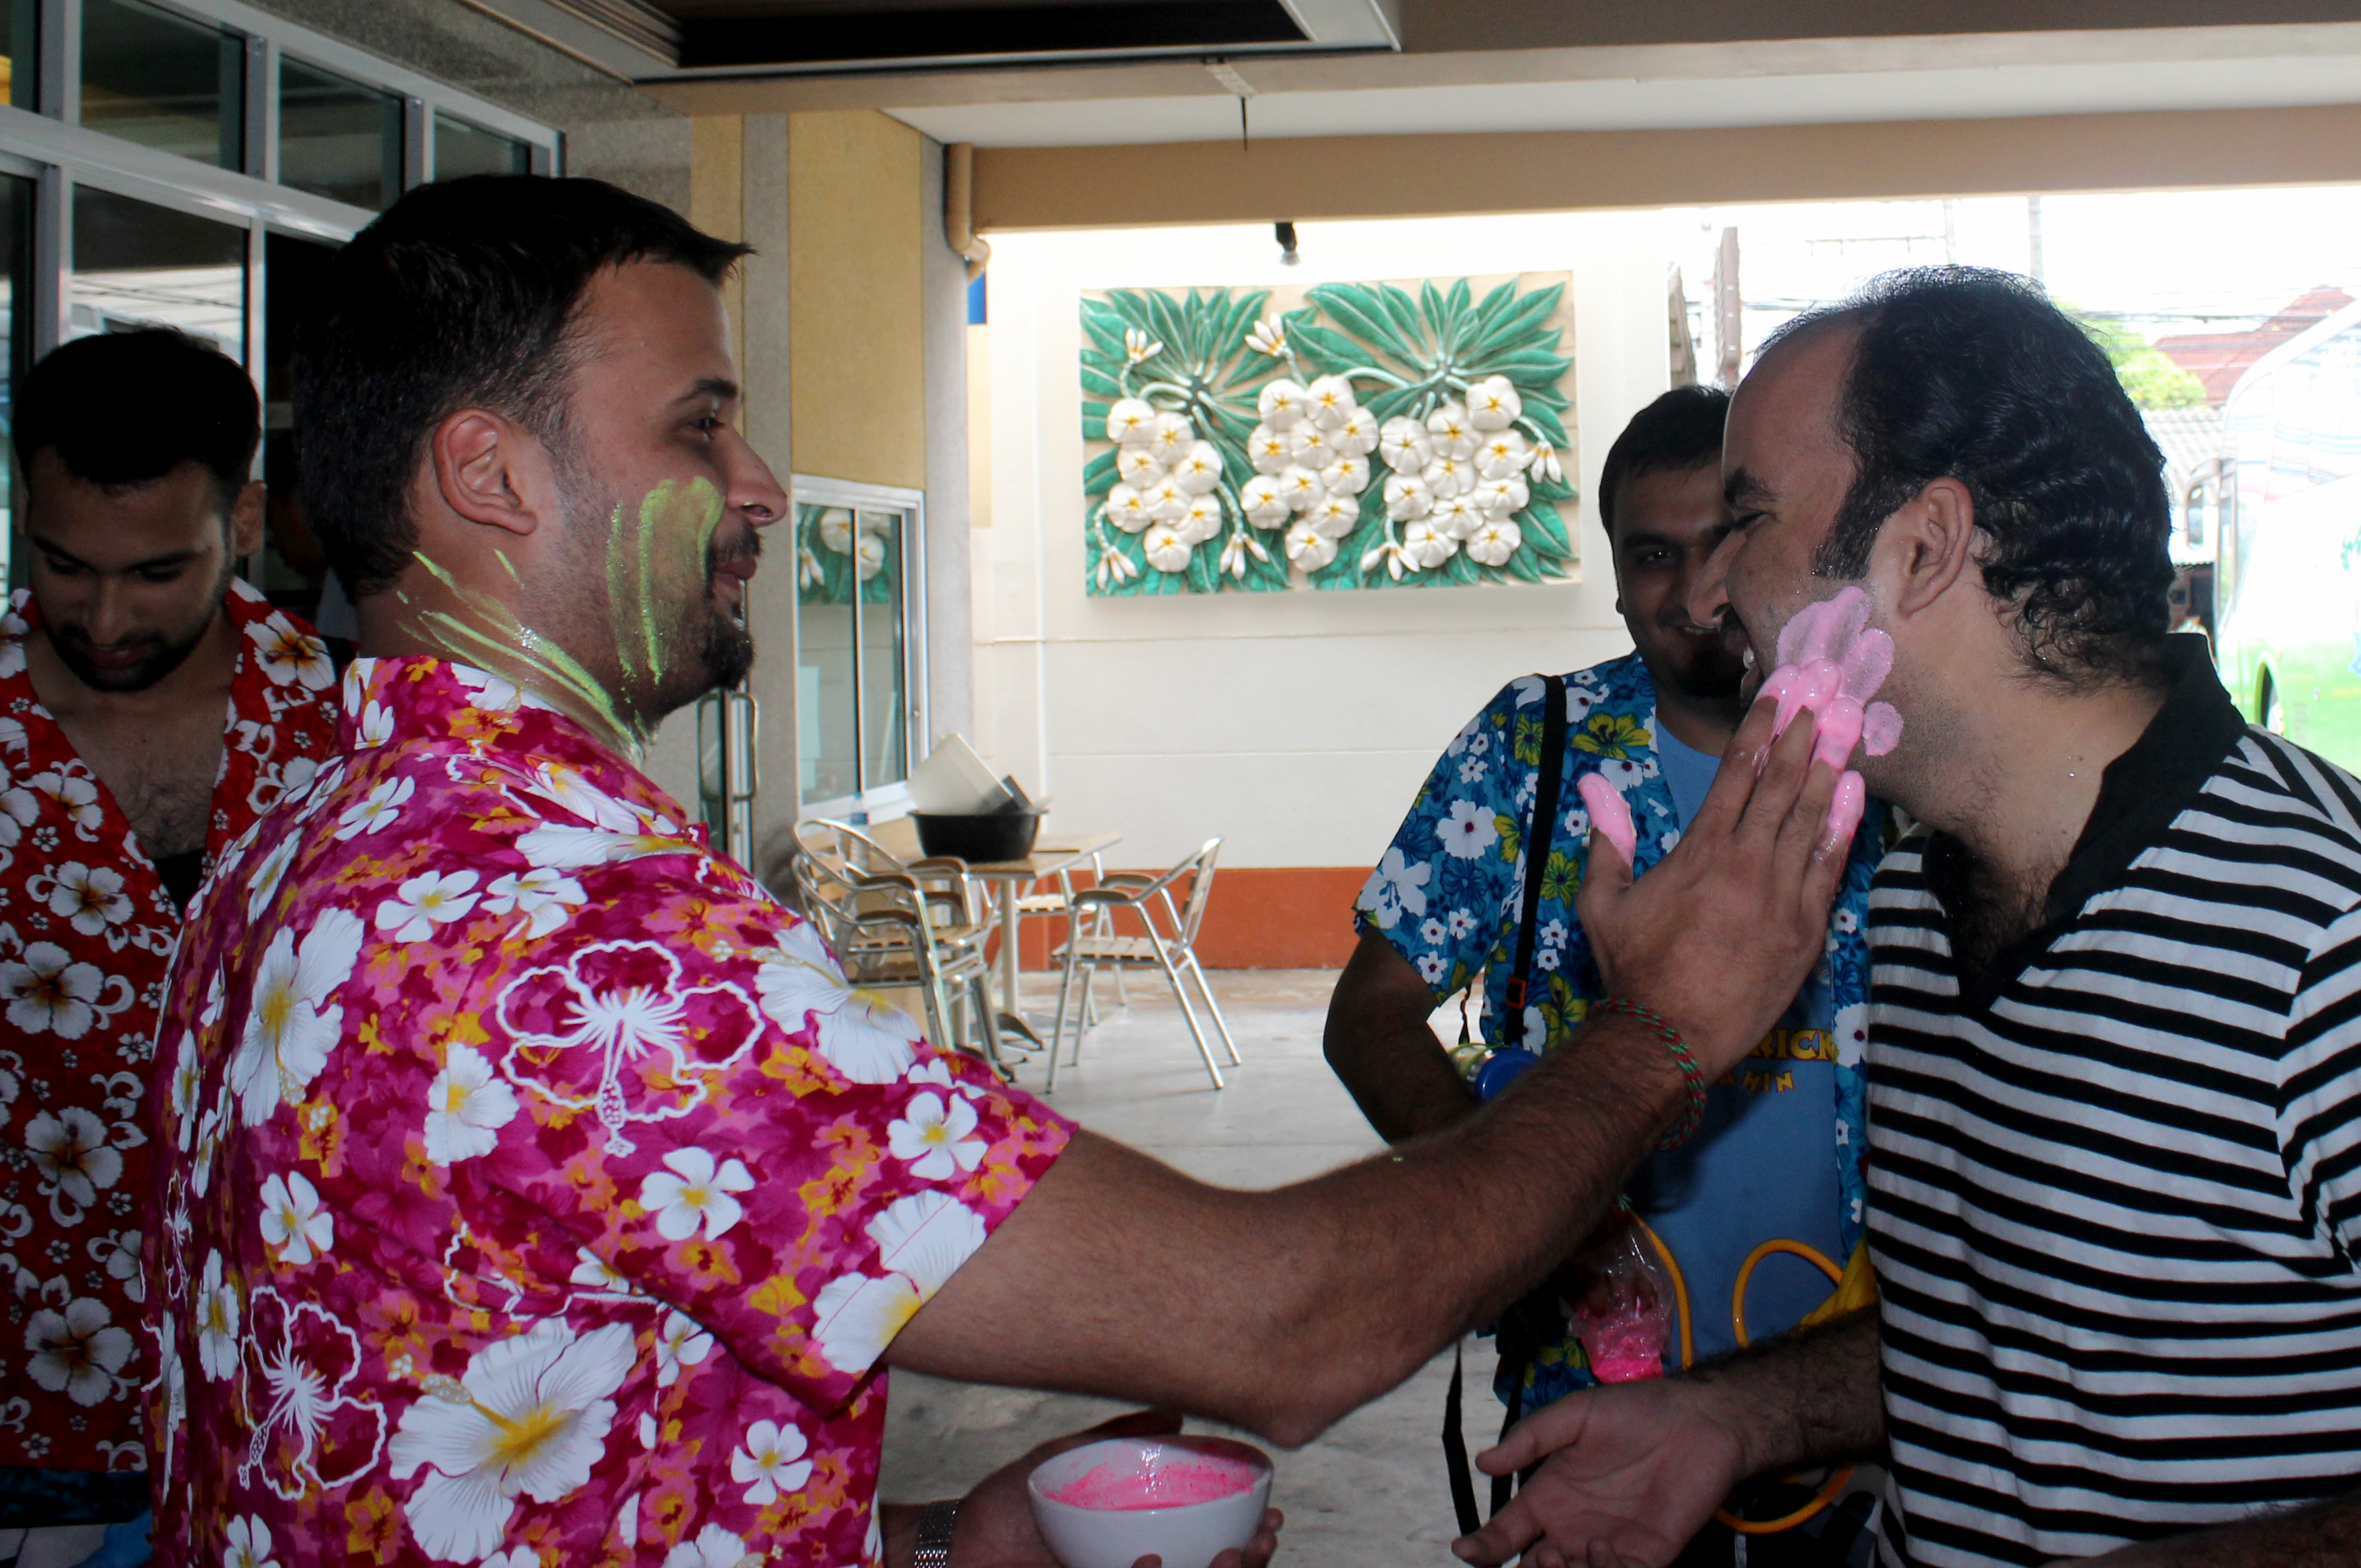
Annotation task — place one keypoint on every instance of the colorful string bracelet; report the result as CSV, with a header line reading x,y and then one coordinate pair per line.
x,y
1692,1115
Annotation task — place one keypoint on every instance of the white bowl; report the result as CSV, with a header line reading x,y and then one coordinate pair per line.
x,y
1188,1535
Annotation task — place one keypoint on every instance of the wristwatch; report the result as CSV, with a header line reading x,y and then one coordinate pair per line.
x,y
936,1522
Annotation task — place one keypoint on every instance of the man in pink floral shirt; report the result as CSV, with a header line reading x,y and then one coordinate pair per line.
x,y
533,1189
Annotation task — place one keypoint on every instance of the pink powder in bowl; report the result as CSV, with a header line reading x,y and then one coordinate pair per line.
x,y
1161,1483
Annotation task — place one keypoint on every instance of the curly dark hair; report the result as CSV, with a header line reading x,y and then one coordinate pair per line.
x,y
1969,374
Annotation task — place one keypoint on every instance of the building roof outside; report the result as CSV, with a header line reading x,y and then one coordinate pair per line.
x,y
2218,358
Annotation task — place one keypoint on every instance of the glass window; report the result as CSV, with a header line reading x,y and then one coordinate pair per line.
x,y
462,149
160,80
851,664
338,138
19,33
16,334
137,264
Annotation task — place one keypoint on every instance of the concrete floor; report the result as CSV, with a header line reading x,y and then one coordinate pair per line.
x,y
1371,1490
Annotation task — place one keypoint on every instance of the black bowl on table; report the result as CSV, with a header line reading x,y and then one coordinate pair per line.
x,y
978,837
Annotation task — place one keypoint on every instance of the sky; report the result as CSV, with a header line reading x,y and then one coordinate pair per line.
x,y
2167,261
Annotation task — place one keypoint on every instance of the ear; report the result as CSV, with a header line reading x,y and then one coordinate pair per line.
x,y
491,471
1928,545
246,517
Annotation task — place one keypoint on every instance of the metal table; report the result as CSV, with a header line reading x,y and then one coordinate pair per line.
x,y
1049,857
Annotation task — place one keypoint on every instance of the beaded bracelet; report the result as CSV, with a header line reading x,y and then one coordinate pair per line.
x,y
1692,1076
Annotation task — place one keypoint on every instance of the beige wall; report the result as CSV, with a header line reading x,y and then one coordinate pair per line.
x,y
1529,171
857,344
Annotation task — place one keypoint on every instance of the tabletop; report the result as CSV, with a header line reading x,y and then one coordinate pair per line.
x,y
1047,858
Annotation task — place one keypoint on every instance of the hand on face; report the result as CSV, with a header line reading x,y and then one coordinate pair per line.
x,y
995,1522
1721,934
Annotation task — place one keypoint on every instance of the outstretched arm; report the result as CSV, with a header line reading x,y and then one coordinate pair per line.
x,y
1641,1466
1281,1310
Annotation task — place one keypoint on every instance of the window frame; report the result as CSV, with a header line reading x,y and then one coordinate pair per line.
x,y
881,801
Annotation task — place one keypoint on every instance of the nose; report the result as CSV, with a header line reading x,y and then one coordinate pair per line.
x,y
754,491
1709,588
110,614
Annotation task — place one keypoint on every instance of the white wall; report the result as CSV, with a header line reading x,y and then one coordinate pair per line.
x,y
1296,725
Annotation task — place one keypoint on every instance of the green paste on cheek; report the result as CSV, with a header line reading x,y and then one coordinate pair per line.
x,y
656,571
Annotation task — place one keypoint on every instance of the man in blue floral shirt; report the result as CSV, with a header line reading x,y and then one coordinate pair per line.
x,y
1777,1160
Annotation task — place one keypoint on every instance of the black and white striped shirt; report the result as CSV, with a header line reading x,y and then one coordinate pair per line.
x,y
2116,1182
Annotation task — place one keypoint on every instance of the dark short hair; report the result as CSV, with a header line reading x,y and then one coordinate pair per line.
x,y
127,408
1680,430
1969,373
463,294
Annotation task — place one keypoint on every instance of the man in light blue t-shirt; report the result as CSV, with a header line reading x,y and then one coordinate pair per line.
x,y
1770,1189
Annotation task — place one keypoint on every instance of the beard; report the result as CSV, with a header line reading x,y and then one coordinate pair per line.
x,y
162,652
1710,674
673,638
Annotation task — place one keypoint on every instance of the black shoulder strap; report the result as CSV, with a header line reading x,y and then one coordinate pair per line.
x,y
1538,833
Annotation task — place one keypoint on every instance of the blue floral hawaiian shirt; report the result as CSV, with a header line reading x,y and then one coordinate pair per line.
x,y
1448,895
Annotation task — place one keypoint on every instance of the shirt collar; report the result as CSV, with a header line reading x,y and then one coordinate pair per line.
x,y
2139,793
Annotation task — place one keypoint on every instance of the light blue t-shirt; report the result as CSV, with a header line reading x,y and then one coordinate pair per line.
x,y
1759,1168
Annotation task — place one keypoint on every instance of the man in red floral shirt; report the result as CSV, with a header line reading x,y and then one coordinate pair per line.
x,y
535,1192
119,779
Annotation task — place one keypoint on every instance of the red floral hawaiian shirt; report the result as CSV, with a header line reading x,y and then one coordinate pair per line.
x,y
535,1192
85,936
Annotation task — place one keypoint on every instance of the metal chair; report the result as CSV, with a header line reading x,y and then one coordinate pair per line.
x,y
1168,941
961,929
882,928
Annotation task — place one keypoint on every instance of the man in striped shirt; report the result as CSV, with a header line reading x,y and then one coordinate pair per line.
x,y
2115,1021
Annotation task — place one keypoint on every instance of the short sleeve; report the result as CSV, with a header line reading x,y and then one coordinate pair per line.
x,y
1437,892
2320,1117
718,1121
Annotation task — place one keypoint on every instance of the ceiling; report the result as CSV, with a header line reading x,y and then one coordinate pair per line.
x,y
1072,72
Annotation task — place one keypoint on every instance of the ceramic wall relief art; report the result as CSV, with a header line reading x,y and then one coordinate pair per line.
x,y
1348,436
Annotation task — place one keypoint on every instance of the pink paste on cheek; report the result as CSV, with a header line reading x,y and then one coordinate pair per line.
x,y
1829,650
1609,814
1201,1478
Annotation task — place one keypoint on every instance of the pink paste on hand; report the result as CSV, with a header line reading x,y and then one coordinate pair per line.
x,y
1200,1478
1609,814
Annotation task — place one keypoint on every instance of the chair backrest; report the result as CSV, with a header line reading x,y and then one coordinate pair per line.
x,y
846,845
1201,888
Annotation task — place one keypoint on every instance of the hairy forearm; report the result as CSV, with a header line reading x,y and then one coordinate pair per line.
x,y
1813,1397
2322,1535
1281,1310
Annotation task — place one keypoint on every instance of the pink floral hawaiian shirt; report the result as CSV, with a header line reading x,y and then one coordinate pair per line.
x,y
85,937
534,1190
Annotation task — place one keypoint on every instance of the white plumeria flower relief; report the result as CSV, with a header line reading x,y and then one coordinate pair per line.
x,y
1265,507
1408,498
1328,400
1280,404
1493,403
1127,509
1166,502
1171,436
1130,422
1301,487
1502,454
1307,548
1457,517
1268,335
1137,466
1199,469
1356,433
1348,474
1137,346
1332,516
1201,520
1427,545
1165,548
1269,450
1451,431
1405,444
1494,542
